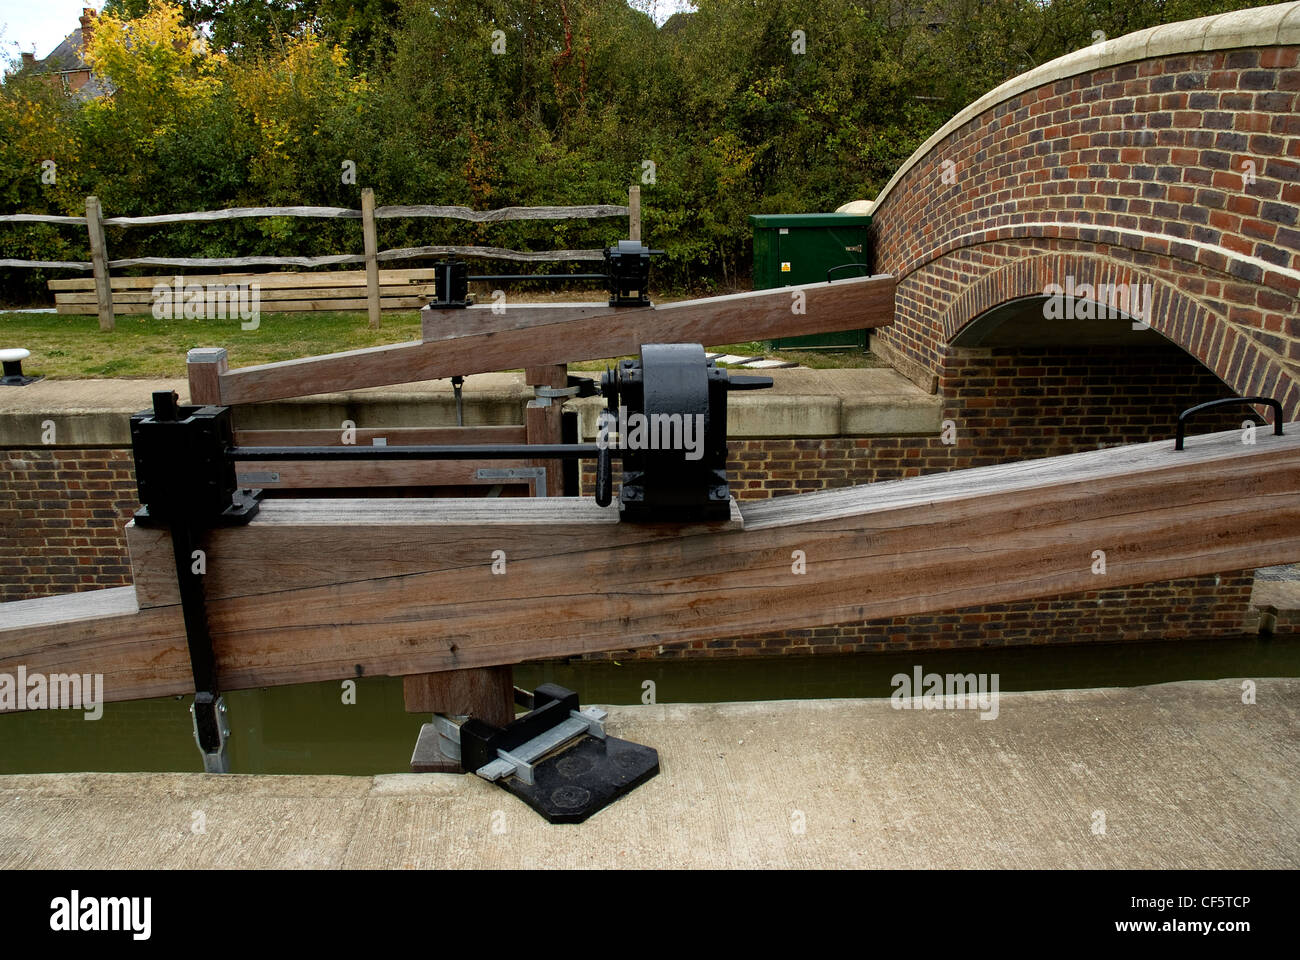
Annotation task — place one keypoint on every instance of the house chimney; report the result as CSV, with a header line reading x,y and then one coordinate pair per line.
x,y
29,59
87,27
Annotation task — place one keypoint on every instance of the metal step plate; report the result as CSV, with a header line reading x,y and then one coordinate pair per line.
x,y
572,784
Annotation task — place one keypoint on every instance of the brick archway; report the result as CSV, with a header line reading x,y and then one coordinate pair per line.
x,y
1186,310
1170,157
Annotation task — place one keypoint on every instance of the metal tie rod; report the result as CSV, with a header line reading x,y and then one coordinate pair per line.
x,y
556,277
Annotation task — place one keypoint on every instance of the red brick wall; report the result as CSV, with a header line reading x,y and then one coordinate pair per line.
x,y
1133,172
61,517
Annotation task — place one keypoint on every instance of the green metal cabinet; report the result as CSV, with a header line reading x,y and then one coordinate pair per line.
x,y
799,248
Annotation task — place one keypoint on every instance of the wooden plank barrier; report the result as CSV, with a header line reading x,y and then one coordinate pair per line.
x,y
277,292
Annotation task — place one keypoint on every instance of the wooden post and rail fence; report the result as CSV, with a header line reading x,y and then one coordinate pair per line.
x,y
371,289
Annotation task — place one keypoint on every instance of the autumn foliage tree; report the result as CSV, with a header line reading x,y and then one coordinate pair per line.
x,y
739,107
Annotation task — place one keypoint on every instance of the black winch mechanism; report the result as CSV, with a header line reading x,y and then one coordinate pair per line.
x,y
665,418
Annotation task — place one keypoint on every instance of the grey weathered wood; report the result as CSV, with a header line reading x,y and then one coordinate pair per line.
x,y
41,218
403,253
239,261
372,251
370,258
589,211
1091,466
99,262
69,609
234,213
274,280
634,213
277,306
491,253
320,475
267,294
592,211
50,264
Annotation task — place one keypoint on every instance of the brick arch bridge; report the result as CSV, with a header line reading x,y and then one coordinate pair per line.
x,y
1166,161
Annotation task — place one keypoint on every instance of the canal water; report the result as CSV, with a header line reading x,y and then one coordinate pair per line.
x,y
309,729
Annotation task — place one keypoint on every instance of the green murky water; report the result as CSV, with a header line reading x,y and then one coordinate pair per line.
x,y
309,729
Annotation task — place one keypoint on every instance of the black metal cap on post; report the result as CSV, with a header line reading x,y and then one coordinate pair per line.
x,y
451,284
13,368
628,266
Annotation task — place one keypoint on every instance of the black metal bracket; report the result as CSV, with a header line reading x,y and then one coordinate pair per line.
x,y
586,387
451,284
186,483
575,389
571,475
1227,401
627,265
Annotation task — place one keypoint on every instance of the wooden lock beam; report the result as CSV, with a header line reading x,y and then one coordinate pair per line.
x,y
329,589
528,336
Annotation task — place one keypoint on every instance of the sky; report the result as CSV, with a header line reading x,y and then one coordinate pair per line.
x,y
41,25
660,10
38,24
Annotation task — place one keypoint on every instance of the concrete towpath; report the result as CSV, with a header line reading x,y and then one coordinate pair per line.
x,y
1175,775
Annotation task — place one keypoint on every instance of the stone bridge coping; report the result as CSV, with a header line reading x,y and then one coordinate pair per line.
x,y
1276,25
1195,250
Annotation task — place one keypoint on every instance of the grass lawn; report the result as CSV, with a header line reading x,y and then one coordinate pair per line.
x,y
72,347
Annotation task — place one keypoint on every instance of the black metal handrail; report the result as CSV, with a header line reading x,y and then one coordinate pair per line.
x,y
844,266
1210,404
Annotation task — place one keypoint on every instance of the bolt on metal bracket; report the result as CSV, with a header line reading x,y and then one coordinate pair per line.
x,y
536,474
216,759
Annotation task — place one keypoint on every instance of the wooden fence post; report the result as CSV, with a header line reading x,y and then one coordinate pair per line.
x,y
634,213
99,261
372,258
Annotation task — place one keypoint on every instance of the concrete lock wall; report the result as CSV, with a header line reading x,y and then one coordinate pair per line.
x,y
63,504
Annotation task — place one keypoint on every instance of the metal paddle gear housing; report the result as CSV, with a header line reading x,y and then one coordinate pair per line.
x,y
666,413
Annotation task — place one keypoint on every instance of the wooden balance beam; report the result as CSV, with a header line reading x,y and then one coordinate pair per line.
x,y
330,589
477,340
